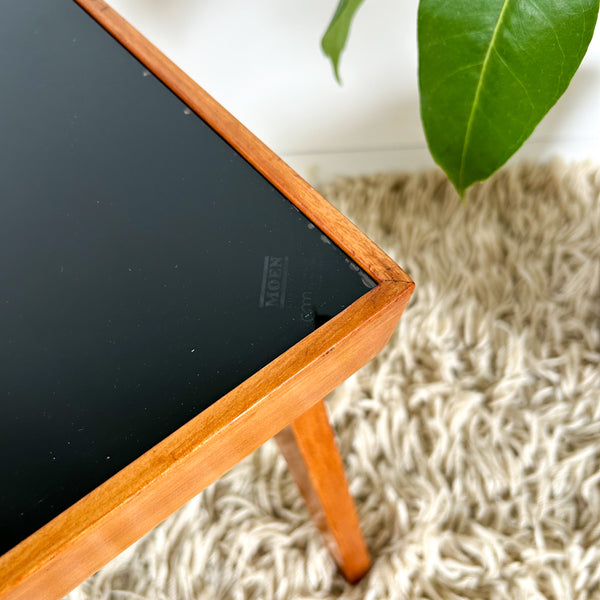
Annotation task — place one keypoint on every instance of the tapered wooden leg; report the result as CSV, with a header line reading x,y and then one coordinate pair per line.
x,y
309,447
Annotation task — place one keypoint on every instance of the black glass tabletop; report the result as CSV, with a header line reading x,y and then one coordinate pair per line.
x,y
146,269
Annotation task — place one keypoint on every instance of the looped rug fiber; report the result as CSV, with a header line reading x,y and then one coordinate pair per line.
x,y
472,443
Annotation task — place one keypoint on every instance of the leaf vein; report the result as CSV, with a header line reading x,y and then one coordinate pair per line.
x,y
552,26
562,51
516,77
442,40
453,73
478,92
584,25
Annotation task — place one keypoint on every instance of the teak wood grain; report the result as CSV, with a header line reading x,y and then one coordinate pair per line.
x,y
309,447
74,545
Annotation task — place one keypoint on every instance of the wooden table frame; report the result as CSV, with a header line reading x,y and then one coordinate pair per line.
x,y
282,398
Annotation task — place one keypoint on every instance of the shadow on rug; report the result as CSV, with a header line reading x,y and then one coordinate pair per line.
x,y
471,443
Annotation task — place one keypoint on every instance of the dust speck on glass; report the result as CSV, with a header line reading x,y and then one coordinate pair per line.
x,y
146,269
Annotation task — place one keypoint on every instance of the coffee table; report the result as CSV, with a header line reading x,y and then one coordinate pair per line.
x,y
172,295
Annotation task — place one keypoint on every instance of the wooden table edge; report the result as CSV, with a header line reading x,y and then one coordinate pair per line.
x,y
346,235
93,531
70,548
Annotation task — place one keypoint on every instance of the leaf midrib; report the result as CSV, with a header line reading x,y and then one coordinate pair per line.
x,y
478,92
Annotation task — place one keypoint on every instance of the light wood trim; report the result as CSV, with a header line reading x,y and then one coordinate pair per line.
x,y
283,177
310,449
74,545
70,548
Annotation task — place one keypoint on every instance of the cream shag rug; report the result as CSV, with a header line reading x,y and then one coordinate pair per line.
x,y
472,443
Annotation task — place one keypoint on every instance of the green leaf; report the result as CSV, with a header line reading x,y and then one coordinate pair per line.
x,y
335,37
489,70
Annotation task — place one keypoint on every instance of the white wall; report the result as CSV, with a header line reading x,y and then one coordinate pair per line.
x,y
261,59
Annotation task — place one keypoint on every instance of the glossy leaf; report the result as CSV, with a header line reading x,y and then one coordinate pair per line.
x,y
489,70
335,37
